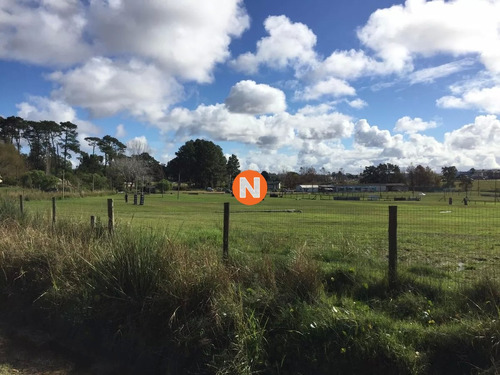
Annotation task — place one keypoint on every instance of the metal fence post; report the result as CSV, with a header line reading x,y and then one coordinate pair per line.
x,y
393,245
225,238
21,204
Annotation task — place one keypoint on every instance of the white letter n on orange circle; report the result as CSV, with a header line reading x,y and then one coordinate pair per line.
x,y
253,190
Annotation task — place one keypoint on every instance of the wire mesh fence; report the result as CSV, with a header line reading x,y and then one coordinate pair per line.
x,y
448,244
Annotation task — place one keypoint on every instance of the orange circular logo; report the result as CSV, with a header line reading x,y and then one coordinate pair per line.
x,y
249,187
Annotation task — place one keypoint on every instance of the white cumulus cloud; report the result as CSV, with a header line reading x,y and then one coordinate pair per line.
x,y
357,103
40,109
43,32
252,98
331,87
426,28
481,136
371,136
138,145
410,125
486,99
106,87
288,44
185,38
272,131
120,131
351,64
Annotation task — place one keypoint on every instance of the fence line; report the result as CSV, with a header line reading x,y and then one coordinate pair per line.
x,y
438,242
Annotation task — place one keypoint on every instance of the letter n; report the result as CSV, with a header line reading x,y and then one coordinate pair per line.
x,y
253,190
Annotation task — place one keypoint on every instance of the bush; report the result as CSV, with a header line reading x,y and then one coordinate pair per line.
x,y
39,180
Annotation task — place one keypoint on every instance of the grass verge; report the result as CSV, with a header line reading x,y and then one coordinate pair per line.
x,y
172,306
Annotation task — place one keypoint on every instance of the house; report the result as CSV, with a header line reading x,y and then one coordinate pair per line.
x,y
307,188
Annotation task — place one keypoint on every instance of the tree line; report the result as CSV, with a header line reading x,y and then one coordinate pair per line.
x,y
48,147
198,163
416,178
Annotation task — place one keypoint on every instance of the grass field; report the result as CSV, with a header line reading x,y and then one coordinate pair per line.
x,y
304,290
459,242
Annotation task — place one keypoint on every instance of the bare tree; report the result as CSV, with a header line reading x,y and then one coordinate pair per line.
x,y
133,170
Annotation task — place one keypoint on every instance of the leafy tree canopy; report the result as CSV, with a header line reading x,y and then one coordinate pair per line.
x,y
449,176
199,162
382,174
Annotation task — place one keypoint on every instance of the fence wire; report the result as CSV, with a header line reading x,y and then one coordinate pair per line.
x,y
451,244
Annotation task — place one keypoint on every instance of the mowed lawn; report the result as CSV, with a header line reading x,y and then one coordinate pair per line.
x,y
435,239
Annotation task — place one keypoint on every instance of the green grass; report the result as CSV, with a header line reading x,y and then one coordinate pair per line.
x,y
301,292
461,241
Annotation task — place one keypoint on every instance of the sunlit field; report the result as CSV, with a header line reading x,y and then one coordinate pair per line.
x,y
458,241
304,289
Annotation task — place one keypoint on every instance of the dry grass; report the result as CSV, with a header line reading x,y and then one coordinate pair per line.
x,y
170,307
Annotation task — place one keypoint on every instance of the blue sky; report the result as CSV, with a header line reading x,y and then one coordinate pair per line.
x,y
282,84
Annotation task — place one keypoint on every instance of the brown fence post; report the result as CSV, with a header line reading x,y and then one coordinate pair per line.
x,y
225,238
92,222
53,210
393,245
21,204
111,216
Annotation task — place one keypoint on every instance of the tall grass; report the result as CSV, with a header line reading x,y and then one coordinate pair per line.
x,y
36,194
173,306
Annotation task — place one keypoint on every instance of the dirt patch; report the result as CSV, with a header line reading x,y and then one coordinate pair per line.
x,y
29,353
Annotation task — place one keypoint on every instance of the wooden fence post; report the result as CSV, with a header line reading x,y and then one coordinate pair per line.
x,y
225,237
21,204
393,245
53,210
111,216
92,222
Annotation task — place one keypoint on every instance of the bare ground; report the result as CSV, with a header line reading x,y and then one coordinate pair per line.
x,y
32,352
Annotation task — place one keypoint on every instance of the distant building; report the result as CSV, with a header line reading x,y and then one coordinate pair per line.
x,y
481,174
307,188
273,186
358,188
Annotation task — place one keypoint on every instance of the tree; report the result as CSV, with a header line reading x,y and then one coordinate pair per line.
x,y
128,170
164,185
339,177
382,174
68,140
12,164
422,178
12,129
266,176
308,175
41,138
93,142
465,183
154,167
111,148
291,180
200,162
233,167
449,176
